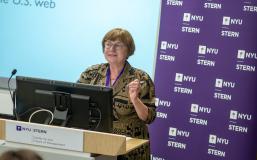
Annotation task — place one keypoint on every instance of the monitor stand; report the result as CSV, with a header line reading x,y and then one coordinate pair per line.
x,y
61,110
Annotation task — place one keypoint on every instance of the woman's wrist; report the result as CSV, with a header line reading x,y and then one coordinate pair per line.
x,y
135,101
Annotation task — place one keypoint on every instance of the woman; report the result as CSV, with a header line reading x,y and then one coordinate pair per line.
x,y
133,89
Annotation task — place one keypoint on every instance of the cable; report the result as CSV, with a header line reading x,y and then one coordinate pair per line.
x,y
42,110
100,117
27,111
14,71
16,116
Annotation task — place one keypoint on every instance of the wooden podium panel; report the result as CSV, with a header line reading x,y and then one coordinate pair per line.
x,y
131,143
104,143
93,142
2,129
110,144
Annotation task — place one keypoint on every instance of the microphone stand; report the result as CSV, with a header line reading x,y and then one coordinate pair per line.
x,y
14,71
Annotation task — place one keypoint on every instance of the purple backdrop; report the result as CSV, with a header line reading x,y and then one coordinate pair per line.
x,y
205,79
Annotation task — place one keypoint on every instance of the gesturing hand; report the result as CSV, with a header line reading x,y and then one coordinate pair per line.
x,y
134,89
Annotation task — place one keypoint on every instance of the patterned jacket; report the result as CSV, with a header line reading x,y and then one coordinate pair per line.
x,y
126,120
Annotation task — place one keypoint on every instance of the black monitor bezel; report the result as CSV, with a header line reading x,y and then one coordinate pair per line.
x,y
26,98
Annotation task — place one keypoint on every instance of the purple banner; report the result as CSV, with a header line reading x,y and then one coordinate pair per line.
x,y
206,81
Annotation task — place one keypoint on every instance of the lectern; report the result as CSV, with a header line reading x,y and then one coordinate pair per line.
x,y
65,141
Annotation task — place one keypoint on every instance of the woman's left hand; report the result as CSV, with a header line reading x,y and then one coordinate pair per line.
x,y
134,89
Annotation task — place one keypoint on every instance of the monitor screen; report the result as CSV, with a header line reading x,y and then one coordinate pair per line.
x,y
62,103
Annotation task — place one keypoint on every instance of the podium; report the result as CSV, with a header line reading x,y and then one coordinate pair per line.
x,y
66,142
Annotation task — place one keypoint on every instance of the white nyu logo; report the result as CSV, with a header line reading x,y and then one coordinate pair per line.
x,y
233,115
241,54
218,83
195,108
203,50
236,115
189,17
156,102
180,78
228,21
165,45
213,139
175,132
221,83
159,102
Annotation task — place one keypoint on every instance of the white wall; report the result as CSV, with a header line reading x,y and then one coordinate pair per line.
x,y
5,102
61,42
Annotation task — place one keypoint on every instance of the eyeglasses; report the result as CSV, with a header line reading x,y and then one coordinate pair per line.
x,y
117,46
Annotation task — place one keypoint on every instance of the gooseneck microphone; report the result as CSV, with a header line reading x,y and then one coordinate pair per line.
x,y
14,71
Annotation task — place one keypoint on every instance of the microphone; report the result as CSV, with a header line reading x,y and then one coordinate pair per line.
x,y
14,71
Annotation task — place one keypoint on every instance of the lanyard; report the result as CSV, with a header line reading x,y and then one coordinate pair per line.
x,y
108,76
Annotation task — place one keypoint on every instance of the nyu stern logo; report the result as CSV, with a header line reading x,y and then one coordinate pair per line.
x,y
213,139
181,77
165,45
220,83
235,115
242,54
160,102
20,128
195,108
190,17
231,21
27,129
206,50
175,132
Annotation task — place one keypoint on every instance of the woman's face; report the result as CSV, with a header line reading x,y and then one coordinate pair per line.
x,y
115,52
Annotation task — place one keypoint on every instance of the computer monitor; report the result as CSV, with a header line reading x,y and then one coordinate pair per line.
x,y
66,104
